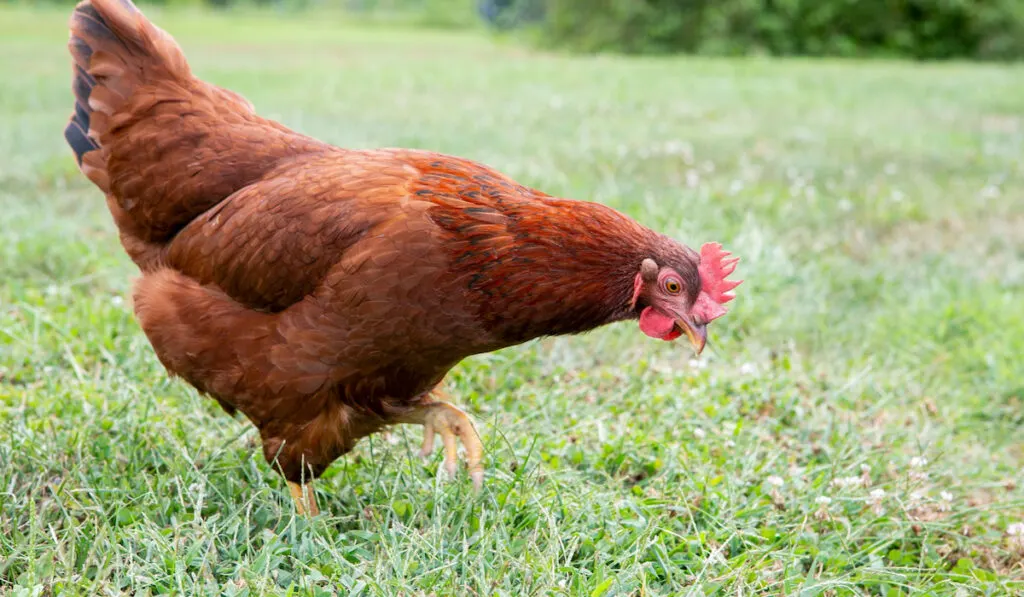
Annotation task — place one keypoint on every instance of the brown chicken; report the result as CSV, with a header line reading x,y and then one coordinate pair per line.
x,y
326,292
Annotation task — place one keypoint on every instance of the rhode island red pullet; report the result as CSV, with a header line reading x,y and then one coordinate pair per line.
x,y
326,292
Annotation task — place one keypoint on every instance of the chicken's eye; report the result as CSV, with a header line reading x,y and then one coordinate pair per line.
x,y
673,286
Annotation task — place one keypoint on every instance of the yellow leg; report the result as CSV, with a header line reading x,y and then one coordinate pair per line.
x,y
305,499
452,424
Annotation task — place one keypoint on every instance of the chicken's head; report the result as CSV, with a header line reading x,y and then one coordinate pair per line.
x,y
675,300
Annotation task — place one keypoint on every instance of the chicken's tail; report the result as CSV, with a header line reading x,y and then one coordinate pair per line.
x,y
162,145
114,50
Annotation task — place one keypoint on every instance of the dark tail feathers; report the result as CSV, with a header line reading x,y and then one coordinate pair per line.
x,y
114,50
85,20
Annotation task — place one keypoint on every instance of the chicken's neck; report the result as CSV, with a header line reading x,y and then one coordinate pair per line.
x,y
565,276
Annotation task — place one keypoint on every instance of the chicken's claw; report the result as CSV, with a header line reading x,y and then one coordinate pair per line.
x,y
452,424
305,499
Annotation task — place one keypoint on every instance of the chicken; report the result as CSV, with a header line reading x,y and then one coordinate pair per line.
x,y
325,293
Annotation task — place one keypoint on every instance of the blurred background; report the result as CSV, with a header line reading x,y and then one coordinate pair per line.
x,y
923,29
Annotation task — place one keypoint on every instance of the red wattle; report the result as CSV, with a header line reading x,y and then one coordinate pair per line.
x,y
656,324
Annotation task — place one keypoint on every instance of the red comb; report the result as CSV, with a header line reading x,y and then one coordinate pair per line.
x,y
715,266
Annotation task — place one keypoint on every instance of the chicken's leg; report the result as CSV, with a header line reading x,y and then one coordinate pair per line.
x,y
305,499
451,423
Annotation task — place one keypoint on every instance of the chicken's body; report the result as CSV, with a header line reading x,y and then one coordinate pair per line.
x,y
325,292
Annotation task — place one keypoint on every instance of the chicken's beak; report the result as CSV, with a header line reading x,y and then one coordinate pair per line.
x,y
697,333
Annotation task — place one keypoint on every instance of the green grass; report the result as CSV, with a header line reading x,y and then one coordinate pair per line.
x,y
875,346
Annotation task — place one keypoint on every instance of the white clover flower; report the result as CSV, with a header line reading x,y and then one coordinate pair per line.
x,y
699,433
1016,536
916,464
990,192
775,481
945,501
675,147
877,496
823,502
748,368
843,482
865,475
914,501
692,178
698,364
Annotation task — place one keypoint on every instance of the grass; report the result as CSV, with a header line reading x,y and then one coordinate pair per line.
x,y
855,427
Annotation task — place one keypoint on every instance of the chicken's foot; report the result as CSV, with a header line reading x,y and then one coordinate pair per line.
x,y
305,499
451,423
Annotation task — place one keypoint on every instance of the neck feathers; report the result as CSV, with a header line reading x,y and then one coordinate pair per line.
x,y
550,267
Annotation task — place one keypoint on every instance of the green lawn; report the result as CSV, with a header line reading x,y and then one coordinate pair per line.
x,y
856,426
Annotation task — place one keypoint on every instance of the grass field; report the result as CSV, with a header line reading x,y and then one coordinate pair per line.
x,y
856,426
